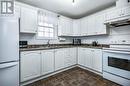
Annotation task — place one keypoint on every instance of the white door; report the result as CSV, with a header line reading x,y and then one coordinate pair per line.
x,y
30,65
59,59
88,58
91,25
81,56
47,61
65,26
76,28
9,39
70,57
28,22
97,59
9,74
100,27
126,11
114,14
84,27
73,55
70,27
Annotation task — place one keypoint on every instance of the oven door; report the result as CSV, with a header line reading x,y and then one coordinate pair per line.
x,y
117,62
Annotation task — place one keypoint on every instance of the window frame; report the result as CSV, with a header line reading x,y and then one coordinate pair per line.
x,y
55,33
45,24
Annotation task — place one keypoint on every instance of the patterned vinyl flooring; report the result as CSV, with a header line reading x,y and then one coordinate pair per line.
x,y
74,77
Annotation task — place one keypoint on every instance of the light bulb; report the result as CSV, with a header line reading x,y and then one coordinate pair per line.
x,y
73,2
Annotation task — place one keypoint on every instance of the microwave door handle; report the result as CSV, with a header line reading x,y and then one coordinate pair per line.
x,y
121,52
8,65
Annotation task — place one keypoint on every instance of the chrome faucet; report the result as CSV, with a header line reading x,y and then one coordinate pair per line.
x,y
48,43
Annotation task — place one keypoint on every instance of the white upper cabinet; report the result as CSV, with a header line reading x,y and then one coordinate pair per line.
x,y
65,26
47,61
126,11
91,25
116,14
100,27
113,14
30,63
76,27
84,27
28,21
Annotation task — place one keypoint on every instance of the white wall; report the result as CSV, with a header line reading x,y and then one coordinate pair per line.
x,y
117,35
31,38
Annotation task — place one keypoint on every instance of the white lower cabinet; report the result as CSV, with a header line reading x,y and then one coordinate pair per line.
x,y
59,59
90,58
30,65
47,63
70,57
97,59
65,57
81,56
34,64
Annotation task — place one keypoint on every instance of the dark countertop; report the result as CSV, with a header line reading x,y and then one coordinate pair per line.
x,y
58,46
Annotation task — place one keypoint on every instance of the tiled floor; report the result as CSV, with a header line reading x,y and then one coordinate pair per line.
x,y
74,77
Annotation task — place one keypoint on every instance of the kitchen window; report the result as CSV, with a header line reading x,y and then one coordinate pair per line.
x,y
47,27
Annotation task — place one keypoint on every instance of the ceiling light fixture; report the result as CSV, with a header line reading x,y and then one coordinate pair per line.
x,y
73,2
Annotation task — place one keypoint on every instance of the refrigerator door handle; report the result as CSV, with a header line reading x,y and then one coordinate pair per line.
x,y
8,65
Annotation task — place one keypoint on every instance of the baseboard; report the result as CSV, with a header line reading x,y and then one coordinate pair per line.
x,y
91,70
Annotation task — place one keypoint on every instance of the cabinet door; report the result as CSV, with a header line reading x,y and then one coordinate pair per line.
x,y
84,27
126,11
88,58
97,59
81,56
28,23
91,25
59,59
30,65
73,55
70,27
65,26
47,61
100,27
70,57
76,27
113,14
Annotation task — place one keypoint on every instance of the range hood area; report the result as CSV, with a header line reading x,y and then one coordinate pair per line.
x,y
118,23
121,16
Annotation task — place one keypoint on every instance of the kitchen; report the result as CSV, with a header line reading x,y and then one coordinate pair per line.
x,y
42,43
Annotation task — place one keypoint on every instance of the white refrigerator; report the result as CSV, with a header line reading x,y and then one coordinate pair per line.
x,y
9,51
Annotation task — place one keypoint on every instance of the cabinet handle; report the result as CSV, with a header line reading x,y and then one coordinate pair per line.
x,y
8,65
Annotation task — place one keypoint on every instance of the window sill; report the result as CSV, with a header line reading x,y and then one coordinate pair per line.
x,y
46,38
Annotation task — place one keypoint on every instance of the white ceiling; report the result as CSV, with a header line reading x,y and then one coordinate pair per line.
x,y
65,7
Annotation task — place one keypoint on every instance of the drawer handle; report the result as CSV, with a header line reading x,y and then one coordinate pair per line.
x,y
8,65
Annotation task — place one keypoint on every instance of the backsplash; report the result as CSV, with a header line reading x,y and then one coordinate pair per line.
x,y
31,38
118,35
